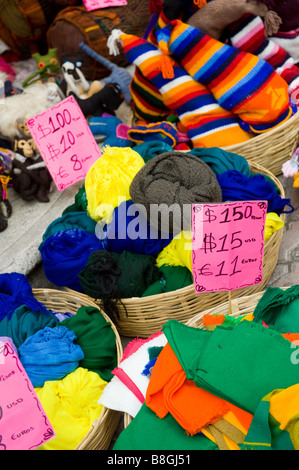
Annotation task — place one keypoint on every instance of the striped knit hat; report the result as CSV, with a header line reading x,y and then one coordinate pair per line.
x,y
207,123
241,82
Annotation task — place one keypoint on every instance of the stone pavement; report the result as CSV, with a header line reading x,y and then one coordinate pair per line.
x,y
286,272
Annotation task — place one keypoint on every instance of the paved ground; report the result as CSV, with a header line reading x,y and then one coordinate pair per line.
x,y
287,269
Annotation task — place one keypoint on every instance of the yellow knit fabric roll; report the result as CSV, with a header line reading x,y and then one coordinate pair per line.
x,y
108,180
71,405
273,223
178,252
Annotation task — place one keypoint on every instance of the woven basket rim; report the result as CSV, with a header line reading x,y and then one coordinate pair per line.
x,y
266,136
52,298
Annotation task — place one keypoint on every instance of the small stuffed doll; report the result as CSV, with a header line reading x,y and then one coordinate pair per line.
x,y
30,175
74,80
47,67
106,100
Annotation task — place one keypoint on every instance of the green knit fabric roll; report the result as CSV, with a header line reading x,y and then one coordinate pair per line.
x,y
97,339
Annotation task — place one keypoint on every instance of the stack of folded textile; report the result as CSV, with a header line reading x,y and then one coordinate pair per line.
x,y
190,388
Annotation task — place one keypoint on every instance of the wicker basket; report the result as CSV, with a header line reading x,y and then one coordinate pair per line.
x,y
143,316
271,149
239,306
100,435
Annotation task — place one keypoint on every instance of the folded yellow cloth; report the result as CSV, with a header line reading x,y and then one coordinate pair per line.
x,y
178,252
273,223
71,405
108,180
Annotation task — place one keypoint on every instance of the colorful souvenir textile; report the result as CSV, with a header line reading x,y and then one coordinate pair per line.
x,y
206,121
172,181
248,34
131,275
206,357
273,223
148,150
237,187
278,308
80,203
71,405
95,336
241,82
50,354
172,278
127,389
15,291
161,434
24,322
71,220
220,160
129,230
178,252
116,165
65,253
275,422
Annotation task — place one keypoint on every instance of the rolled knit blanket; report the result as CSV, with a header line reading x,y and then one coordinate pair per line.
x,y
169,184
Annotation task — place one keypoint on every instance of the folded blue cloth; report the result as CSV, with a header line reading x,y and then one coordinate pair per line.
x,y
130,231
15,291
65,253
50,354
236,186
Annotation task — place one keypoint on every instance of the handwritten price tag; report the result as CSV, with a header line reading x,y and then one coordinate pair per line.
x,y
96,4
23,422
65,142
228,245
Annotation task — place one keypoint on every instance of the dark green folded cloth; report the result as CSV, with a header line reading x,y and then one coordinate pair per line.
x,y
117,275
279,309
172,278
241,364
97,339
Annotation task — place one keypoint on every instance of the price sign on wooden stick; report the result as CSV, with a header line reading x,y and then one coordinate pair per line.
x,y
65,142
228,245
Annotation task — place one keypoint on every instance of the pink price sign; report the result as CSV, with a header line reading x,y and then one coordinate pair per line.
x,y
23,422
65,142
228,245
97,4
